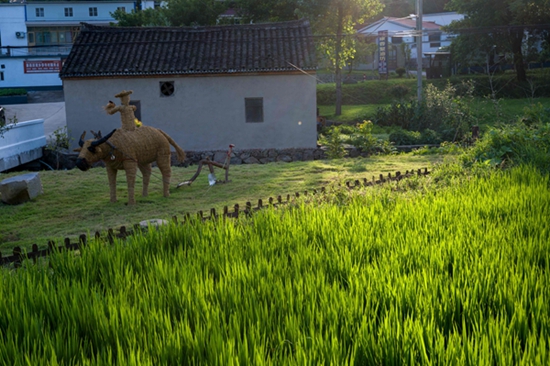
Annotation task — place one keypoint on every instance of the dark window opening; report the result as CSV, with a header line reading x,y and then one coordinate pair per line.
x,y
167,88
435,40
68,12
1,76
137,112
254,109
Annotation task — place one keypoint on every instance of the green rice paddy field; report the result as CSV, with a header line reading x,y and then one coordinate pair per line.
x,y
453,274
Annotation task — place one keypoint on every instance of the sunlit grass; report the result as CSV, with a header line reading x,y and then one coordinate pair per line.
x,y
447,274
76,202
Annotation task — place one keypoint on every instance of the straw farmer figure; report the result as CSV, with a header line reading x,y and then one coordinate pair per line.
x,y
126,110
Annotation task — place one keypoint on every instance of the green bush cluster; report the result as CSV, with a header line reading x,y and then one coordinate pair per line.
x,y
511,145
12,92
441,116
359,136
381,91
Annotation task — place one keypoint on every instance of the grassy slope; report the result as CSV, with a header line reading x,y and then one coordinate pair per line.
x,y
76,202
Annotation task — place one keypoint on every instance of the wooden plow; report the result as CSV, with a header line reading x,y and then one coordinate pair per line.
x,y
211,164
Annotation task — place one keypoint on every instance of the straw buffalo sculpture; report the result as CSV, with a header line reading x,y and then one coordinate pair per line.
x,y
130,150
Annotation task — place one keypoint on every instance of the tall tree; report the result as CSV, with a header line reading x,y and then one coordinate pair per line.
x,y
141,18
266,10
507,22
173,13
194,12
337,20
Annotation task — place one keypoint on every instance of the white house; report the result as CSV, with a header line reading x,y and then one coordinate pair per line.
x,y
249,85
401,32
36,37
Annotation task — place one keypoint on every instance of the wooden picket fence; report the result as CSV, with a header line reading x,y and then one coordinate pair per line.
x,y
18,255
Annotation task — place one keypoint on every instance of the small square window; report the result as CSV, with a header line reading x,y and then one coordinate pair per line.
x,y
93,12
137,112
254,109
121,8
39,12
68,12
167,88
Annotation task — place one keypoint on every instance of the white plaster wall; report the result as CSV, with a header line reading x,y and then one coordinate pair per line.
x,y
205,113
14,74
55,11
12,19
22,143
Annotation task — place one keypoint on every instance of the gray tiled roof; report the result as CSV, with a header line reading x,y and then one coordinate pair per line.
x,y
145,51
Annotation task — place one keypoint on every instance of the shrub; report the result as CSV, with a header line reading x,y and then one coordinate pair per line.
x,y
513,145
333,142
12,92
362,137
405,137
440,111
399,91
400,71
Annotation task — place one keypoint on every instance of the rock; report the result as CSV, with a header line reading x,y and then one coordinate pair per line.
x,y
220,156
152,223
20,189
251,160
285,158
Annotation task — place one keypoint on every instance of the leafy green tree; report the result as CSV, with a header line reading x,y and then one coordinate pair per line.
x,y
336,19
194,12
174,13
266,10
403,8
141,18
506,23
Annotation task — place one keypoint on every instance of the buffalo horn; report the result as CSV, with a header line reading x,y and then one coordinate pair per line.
x,y
81,141
103,139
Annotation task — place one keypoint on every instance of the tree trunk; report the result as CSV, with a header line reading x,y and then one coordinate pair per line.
x,y
516,36
338,51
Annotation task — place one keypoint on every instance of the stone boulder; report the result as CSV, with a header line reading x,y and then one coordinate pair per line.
x,y
20,189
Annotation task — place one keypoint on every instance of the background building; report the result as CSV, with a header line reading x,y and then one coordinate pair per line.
x,y
37,36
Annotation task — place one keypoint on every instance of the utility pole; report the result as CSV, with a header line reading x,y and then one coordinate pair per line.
x,y
419,33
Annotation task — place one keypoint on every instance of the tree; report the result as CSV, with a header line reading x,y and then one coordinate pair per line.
x,y
175,13
403,8
504,22
337,20
141,18
266,10
194,12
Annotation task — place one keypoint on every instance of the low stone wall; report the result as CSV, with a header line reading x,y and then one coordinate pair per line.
x,y
263,156
66,160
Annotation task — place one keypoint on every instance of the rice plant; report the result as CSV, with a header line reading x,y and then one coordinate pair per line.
x,y
456,275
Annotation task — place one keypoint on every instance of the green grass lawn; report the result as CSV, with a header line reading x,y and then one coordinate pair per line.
x,y
76,202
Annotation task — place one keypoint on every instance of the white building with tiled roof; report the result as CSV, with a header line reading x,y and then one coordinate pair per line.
x,y
401,31
36,37
250,85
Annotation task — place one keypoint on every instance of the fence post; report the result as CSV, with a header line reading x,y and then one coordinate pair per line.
x,y
82,240
35,253
19,254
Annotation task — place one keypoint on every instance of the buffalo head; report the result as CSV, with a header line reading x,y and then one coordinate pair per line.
x,y
91,151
